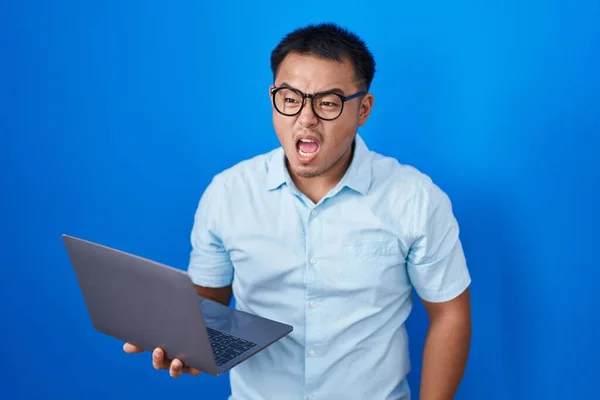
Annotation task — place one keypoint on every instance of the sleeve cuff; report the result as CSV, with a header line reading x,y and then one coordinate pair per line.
x,y
449,293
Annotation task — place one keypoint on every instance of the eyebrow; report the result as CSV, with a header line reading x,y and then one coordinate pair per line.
x,y
333,90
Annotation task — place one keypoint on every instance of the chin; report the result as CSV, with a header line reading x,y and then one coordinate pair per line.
x,y
303,170
309,172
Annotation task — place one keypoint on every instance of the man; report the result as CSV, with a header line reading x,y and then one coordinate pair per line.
x,y
331,238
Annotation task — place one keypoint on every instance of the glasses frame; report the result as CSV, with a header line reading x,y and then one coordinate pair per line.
x,y
304,96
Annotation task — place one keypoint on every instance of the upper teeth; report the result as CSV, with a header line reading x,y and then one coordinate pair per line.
x,y
307,140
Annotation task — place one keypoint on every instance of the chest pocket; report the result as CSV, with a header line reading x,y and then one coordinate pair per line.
x,y
371,270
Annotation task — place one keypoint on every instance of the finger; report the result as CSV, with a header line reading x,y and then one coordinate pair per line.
x,y
158,359
131,348
188,370
176,368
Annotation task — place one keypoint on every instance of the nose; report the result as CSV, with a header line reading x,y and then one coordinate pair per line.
x,y
307,117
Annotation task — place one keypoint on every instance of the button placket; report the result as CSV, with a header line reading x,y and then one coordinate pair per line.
x,y
313,316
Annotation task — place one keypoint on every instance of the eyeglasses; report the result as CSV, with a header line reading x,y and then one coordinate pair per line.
x,y
326,105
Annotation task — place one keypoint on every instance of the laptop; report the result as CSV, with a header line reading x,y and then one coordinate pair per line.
x,y
151,305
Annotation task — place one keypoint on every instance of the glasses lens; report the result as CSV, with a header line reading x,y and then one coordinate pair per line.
x,y
327,105
287,101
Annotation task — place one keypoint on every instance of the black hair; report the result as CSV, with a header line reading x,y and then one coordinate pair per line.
x,y
328,41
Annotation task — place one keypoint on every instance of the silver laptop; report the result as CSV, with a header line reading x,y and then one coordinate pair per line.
x,y
151,305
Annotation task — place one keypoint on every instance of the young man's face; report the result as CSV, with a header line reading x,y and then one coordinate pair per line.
x,y
312,145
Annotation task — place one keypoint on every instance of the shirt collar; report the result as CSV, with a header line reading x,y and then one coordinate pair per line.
x,y
357,177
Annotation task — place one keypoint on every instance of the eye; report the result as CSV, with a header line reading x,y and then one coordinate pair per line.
x,y
290,100
328,104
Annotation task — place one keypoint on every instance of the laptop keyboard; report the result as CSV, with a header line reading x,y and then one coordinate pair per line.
x,y
227,347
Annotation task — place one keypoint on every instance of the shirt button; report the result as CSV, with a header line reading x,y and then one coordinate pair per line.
x,y
313,212
313,260
312,353
312,304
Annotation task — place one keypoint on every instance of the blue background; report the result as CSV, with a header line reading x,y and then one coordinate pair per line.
x,y
115,115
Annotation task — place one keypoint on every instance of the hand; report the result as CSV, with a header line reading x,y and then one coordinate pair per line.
x,y
175,367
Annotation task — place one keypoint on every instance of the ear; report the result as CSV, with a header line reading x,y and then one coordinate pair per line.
x,y
364,110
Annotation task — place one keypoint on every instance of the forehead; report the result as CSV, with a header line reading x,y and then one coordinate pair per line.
x,y
311,74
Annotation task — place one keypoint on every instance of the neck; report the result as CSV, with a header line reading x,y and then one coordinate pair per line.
x,y
317,187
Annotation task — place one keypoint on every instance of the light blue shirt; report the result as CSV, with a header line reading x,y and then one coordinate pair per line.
x,y
341,272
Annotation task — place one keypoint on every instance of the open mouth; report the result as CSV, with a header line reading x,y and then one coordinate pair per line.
x,y
307,148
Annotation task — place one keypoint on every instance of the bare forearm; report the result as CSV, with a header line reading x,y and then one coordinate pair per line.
x,y
221,295
445,356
